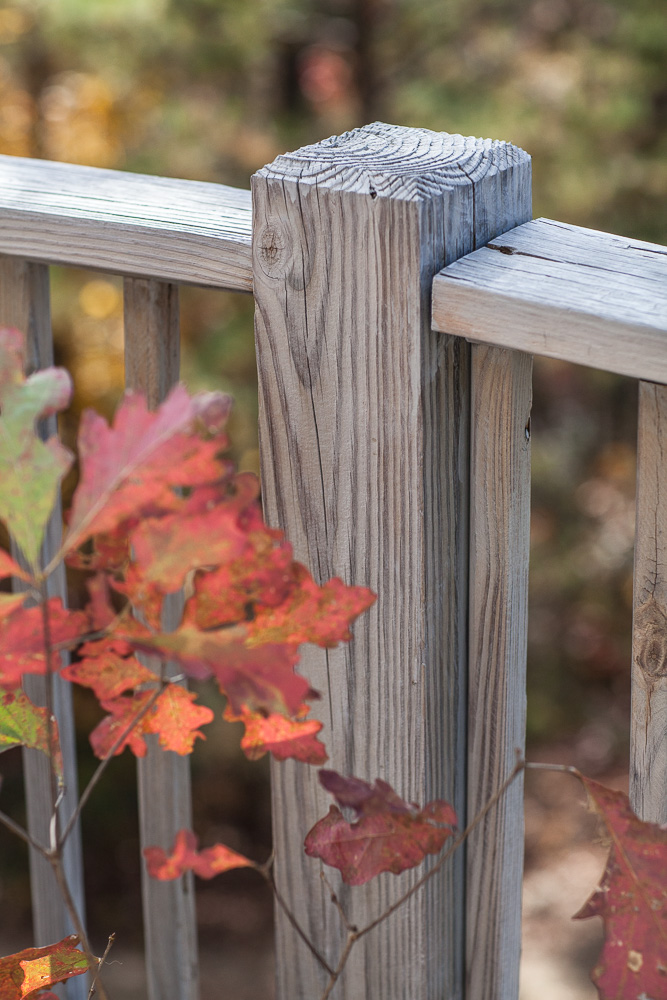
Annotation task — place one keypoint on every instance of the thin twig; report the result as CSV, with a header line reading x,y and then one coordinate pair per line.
x,y
336,902
23,834
354,935
351,938
462,837
563,768
50,730
55,859
270,878
91,991
102,766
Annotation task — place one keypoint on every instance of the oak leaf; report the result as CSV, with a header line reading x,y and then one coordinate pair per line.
x,y
24,724
30,469
185,857
174,718
282,737
321,615
632,901
389,834
133,466
22,648
28,972
261,678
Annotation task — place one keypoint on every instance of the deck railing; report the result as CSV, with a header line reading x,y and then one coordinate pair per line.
x,y
395,453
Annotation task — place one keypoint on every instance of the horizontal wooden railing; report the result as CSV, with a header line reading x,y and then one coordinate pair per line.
x,y
395,451
187,232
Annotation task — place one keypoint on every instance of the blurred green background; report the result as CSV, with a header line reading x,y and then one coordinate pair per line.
x,y
212,90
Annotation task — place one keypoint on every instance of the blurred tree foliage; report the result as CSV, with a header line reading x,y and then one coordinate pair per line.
x,y
213,89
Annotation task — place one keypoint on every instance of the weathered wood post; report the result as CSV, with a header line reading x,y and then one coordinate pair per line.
x,y
152,364
25,303
365,450
648,760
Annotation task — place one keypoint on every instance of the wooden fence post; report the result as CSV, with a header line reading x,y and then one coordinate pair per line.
x,y
25,304
152,359
648,761
364,437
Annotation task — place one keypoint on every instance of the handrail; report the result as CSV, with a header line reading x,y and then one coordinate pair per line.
x,y
564,292
187,232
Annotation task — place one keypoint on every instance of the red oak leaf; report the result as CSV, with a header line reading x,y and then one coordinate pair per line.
x,y
632,901
389,834
321,615
123,712
176,719
173,718
108,674
133,466
28,972
22,649
260,678
205,532
284,738
207,863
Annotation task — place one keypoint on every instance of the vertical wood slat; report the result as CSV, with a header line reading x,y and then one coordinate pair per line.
x,y
25,304
648,736
152,357
364,453
498,619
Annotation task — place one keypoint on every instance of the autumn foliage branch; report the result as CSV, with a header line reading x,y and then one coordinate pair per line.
x,y
159,511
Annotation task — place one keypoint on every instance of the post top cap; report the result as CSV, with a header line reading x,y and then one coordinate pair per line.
x,y
395,161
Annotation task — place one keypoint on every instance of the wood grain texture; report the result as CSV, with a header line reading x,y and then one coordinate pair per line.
x,y
648,738
564,292
364,452
179,231
25,304
501,394
152,338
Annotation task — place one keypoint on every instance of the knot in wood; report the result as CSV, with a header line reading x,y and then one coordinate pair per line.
x,y
650,627
274,249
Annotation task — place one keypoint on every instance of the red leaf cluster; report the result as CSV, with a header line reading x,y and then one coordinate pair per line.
x,y
26,974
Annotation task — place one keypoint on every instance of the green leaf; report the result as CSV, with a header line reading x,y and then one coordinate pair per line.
x,y
23,724
30,469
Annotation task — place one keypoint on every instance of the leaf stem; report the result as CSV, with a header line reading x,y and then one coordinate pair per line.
x,y
102,766
267,872
55,859
91,991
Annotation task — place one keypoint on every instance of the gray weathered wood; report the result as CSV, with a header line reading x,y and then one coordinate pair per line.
x,y
564,292
180,231
498,621
152,355
364,451
648,739
25,304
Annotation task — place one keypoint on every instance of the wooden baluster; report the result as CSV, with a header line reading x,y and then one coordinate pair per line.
x,y
152,356
499,552
364,422
25,304
648,760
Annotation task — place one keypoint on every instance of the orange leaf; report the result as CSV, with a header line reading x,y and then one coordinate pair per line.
x,y
282,737
632,901
28,972
184,857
